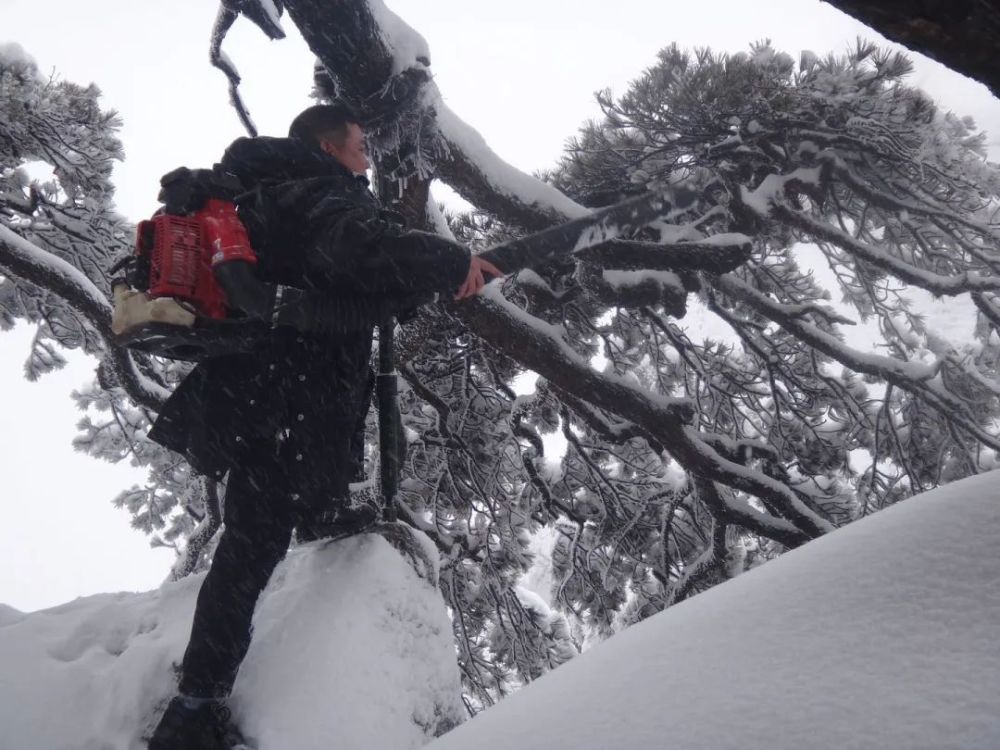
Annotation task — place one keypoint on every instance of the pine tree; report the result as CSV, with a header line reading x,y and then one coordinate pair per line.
x,y
686,459
57,128
834,164
59,125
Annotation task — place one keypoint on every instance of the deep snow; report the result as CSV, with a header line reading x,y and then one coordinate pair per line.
x,y
349,644
883,635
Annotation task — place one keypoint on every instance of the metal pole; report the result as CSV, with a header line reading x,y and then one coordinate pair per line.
x,y
387,390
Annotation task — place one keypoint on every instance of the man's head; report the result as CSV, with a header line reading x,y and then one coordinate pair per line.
x,y
334,129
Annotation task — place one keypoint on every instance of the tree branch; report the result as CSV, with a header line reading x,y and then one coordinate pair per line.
x,y
200,538
539,347
491,184
719,254
26,261
349,41
962,34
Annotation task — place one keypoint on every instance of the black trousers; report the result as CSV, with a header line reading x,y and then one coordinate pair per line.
x,y
270,493
260,514
274,484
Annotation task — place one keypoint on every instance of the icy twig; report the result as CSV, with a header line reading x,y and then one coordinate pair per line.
x,y
223,22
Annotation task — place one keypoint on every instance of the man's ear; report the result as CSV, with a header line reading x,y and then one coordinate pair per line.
x,y
327,146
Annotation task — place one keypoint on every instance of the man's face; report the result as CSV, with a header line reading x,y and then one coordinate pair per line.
x,y
352,153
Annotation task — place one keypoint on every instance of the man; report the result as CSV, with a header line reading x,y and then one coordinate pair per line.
x,y
286,420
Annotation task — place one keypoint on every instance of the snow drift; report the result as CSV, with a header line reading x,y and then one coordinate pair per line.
x,y
351,646
884,634
881,635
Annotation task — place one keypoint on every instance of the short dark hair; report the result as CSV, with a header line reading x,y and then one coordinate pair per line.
x,y
323,121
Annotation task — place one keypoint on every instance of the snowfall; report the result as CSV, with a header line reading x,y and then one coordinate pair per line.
x,y
883,635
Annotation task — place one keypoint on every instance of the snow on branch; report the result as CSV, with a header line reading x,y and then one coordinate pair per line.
x,y
716,254
698,457
26,261
886,200
918,378
51,272
768,200
633,289
407,46
473,169
223,22
935,283
612,430
540,347
713,559
263,13
791,317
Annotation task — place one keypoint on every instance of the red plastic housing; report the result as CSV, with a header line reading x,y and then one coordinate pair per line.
x,y
224,233
183,249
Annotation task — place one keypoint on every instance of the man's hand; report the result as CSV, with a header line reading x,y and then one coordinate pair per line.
x,y
480,272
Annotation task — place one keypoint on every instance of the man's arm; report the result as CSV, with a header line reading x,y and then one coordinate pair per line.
x,y
362,251
306,311
481,272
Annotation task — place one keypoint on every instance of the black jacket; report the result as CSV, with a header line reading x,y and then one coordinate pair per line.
x,y
312,225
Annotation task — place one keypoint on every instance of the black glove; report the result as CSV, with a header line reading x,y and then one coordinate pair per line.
x,y
184,191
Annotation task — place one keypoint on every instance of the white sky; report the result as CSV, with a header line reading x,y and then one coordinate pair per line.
x,y
522,72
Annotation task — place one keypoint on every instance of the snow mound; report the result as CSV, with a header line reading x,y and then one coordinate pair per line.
x,y
882,635
350,646
9,615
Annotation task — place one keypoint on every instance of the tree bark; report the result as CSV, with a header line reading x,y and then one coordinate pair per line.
x,y
962,34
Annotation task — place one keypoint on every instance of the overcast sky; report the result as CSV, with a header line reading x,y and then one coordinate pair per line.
x,y
522,72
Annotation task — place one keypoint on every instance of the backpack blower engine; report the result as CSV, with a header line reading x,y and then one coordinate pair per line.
x,y
168,303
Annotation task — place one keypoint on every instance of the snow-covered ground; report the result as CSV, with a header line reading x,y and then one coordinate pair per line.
x,y
884,635
351,649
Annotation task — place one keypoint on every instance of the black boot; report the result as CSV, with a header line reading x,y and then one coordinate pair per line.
x,y
196,724
337,523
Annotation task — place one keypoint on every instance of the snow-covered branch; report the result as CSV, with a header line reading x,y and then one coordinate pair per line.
x,y
793,317
918,378
540,346
381,65
717,254
25,261
480,176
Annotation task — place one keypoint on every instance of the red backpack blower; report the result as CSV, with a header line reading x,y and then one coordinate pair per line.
x,y
169,303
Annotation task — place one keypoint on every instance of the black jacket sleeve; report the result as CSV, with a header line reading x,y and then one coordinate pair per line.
x,y
325,312
363,251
